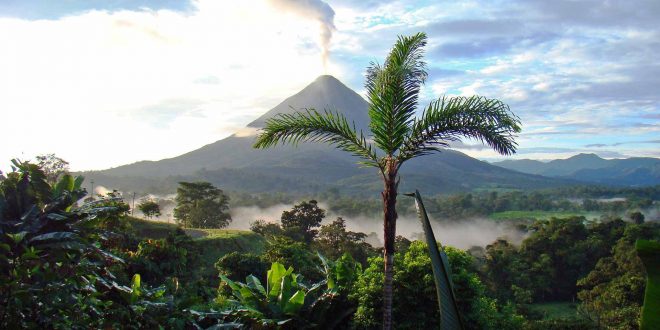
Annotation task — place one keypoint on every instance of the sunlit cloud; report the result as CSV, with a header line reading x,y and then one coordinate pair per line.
x,y
107,86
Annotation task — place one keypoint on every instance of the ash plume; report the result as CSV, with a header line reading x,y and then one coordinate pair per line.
x,y
317,10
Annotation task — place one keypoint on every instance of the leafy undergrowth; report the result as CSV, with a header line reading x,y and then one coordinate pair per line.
x,y
219,242
213,243
146,229
556,310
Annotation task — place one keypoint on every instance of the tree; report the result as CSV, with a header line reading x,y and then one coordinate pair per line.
x,y
302,220
334,241
417,304
637,217
265,228
54,265
612,293
149,208
52,166
392,94
201,205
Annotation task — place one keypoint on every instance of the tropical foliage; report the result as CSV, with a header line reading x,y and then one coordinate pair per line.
x,y
74,266
201,205
397,135
55,273
149,208
285,301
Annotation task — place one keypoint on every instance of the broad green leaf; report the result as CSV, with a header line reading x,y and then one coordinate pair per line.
x,y
275,274
286,291
294,303
64,184
248,298
56,236
254,283
649,252
450,317
229,282
18,237
136,291
324,261
56,217
136,283
77,182
30,254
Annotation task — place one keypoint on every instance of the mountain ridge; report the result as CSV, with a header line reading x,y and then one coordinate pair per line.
x,y
231,163
590,168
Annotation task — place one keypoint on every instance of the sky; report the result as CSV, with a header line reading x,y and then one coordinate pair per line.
x,y
107,83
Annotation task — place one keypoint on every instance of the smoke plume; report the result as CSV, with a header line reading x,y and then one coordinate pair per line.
x,y
317,10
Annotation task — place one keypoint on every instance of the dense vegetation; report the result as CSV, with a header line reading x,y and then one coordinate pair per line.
x,y
90,265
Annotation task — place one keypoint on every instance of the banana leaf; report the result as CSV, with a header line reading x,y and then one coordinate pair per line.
x,y
450,317
649,252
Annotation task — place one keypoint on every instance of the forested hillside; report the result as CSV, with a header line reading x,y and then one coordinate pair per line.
x,y
235,165
97,266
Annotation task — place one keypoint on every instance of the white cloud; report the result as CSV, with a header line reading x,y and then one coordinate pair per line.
x,y
73,85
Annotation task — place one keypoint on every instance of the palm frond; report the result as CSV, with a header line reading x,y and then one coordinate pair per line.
x,y
450,316
450,118
313,126
393,90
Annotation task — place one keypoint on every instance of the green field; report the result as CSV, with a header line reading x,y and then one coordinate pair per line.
x,y
539,215
212,243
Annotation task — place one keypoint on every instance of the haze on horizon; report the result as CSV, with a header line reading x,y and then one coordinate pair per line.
x,y
145,80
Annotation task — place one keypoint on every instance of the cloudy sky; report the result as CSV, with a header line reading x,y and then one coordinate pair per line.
x,y
105,83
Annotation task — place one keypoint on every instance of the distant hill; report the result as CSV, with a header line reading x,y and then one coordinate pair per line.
x,y
639,171
233,164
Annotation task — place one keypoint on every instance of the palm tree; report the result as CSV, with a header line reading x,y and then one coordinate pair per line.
x,y
397,134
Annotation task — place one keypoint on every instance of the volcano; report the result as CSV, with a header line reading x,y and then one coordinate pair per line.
x,y
232,164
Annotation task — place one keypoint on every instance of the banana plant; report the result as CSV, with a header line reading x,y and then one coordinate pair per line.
x,y
450,317
50,258
287,302
283,295
649,252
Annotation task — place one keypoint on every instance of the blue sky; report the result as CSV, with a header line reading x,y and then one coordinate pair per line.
x,y
104,83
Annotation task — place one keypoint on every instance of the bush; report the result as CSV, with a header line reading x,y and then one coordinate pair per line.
x,y
158,259
416,306
289,252
237,266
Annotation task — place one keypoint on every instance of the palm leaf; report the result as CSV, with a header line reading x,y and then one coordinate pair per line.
x,y
649,252
393,90
313,126
450,317
450,118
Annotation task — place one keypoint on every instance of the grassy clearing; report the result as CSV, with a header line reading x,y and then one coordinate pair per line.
x,y
151,229
539,215
219,242
556,310
212,243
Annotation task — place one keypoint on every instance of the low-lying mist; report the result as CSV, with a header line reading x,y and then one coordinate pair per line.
x,y
462,234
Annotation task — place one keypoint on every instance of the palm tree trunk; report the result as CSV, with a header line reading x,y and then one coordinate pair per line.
x,y
389,208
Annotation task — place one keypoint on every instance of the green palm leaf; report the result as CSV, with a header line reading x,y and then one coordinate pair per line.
x,y
450,118
313,126
393,89
450,317
392,93
649,252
